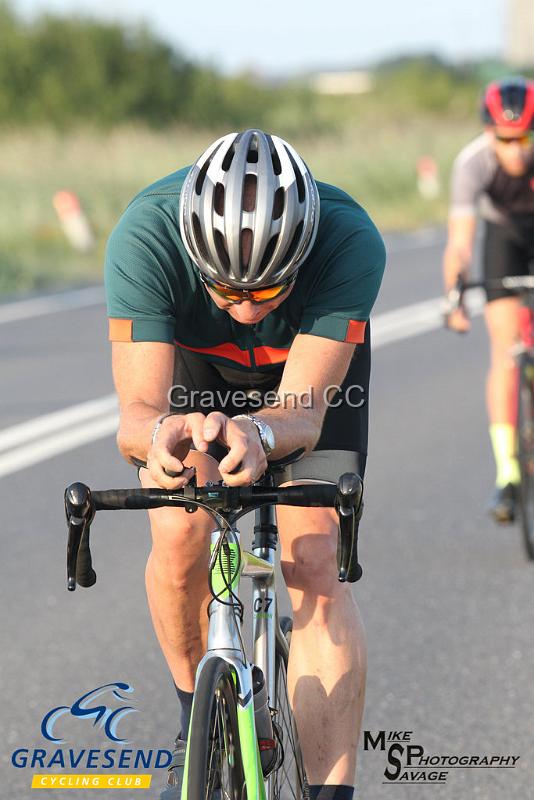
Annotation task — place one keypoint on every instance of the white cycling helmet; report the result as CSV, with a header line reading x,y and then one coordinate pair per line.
x,y
277,213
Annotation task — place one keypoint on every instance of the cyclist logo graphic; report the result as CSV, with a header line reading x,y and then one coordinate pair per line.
x,y
106,717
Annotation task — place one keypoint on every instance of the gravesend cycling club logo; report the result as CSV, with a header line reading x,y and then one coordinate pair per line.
x,y
104,716
106,709
410,763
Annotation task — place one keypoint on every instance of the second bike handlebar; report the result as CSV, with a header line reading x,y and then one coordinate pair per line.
x,y
517,283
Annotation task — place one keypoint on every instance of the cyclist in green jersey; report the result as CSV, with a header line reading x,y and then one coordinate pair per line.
x,y
242,272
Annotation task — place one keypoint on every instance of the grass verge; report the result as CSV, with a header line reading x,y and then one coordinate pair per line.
x,y
376,164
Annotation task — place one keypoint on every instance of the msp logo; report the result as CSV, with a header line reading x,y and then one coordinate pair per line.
x,y
104,716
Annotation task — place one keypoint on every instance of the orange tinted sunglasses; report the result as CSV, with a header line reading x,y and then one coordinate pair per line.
x,y
254,295
524,141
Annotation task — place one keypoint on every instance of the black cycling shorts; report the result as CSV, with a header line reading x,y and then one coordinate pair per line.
x,y
342,447
506,252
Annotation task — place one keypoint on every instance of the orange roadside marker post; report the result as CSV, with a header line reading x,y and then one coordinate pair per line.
x,y
428,181
74,221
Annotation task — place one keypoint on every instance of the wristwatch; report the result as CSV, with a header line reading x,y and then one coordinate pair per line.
x,y
265,431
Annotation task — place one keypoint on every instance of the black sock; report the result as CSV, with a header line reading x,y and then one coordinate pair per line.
x,y
331,792
186,702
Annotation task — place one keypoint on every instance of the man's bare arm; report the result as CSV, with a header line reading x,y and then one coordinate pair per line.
x,y
142,372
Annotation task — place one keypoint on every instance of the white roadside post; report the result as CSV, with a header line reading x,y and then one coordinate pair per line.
x,y
74,221
428,181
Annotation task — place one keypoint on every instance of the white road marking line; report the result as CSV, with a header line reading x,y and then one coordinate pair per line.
x,y
28,443
39,306
30,454
413,320
17,435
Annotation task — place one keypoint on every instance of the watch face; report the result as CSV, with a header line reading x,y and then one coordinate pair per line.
x,y
268,436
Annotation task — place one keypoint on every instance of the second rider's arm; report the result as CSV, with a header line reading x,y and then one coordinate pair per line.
x,y
457,261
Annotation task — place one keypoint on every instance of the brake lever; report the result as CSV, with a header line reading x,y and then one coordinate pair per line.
x,y
79,510
349,506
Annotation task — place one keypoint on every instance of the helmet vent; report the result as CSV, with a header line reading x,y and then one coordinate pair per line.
x,y
220,246
277,165
279,202
199,239
290,252
252,156
218,200
301,189
246,247
269,250
249,193
201,177
227,160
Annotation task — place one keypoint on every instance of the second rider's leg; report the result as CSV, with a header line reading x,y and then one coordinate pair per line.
x,y
501,391
503,254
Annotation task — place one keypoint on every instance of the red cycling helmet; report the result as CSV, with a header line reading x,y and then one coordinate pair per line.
x,y
509,103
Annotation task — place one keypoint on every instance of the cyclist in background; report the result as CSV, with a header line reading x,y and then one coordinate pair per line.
x,y
493,177
242,272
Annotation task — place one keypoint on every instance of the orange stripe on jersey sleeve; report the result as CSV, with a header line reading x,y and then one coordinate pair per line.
x,y
355,331
120,330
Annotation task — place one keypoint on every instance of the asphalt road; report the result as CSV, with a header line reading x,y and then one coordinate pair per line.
x,y
447,597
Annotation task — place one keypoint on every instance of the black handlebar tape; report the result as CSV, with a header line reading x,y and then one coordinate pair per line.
x,y
118,499
85,574
350,506
76,526
315,495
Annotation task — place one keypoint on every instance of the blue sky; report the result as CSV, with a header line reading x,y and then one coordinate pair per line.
x,y
279,36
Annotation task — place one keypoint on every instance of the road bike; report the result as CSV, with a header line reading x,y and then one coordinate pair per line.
x,y
239,746
524,411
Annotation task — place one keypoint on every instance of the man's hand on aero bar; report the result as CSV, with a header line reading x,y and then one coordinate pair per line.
x,y
171,444
244,463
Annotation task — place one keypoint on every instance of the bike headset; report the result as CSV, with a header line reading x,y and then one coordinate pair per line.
x,y
252,189
509,103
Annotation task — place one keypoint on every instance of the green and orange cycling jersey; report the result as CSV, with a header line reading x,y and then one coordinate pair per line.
x,y
154,292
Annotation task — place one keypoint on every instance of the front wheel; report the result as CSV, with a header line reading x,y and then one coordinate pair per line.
x,y
215,766
289,778
525,448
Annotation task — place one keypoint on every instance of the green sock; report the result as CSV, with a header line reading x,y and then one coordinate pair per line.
x,y
503,440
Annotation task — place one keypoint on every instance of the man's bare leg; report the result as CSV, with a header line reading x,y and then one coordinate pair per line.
x,y
177,579
328,658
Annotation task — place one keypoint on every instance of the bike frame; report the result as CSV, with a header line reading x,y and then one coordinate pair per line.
x,y
225,637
